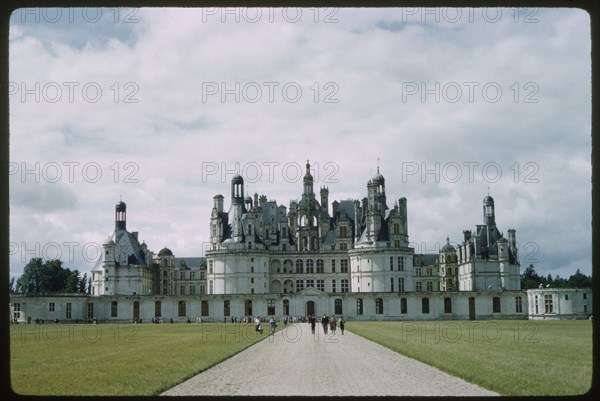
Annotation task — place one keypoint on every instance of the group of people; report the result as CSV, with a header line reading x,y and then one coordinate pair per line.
x,y
327,323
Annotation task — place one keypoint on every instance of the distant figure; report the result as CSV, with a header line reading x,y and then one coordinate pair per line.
x,y
285,320
342,322
272,326
171,320
189,321
313,322
324,323
332,325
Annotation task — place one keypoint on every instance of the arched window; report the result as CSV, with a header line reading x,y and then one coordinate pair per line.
x,y
181,309
338,306
299,266
157,309
204,308
248,307
310,269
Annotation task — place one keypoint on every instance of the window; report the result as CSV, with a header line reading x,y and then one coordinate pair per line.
x,y
585,295
271,307
396,229
210,286
391,284
418,286
344,265
251,290
113,309
192,290
68,312
447,305
400,264
157,309
165,283
401,284
429,272
181,275
320,266
90,311
248,307
333,286
418,272
337,309
182,290
566,297
425,305
192,275
164,273
226,308
204,308
252,280
51,307
344,285
321,285
548,307
310,283
429,286
310,266
359,306
343,246
496,305
286,306
181,309
343,232
210,267
251,269
202,289
333,265
299,285
391,263
396,243
536,305
378,306
299,267
403,306
518,305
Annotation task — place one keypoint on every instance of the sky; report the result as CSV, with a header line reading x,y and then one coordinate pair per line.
x,y
161,107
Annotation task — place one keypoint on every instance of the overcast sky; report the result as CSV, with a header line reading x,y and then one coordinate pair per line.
x,y
158,105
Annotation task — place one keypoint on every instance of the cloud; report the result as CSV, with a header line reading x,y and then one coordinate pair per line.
x,y
181,91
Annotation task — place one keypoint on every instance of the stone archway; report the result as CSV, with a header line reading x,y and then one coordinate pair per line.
x,y
310,308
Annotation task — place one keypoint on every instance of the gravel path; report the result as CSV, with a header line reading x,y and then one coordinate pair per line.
x,y
295,362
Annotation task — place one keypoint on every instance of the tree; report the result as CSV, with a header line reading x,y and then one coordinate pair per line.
x,y
49,276
530,279
579,280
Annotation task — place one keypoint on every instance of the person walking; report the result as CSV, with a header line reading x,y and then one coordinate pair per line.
x,y
313,322
332,325
342,322
324,323
272,326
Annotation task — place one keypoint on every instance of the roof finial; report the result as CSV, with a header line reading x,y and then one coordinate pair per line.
x,y
488,191
378,165
121,197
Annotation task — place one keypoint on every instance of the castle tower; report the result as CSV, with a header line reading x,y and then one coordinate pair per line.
x,y
237,208
488,211
120,216
325,199
308,182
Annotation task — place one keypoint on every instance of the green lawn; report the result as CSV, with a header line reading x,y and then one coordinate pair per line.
x,y
118,359
515,358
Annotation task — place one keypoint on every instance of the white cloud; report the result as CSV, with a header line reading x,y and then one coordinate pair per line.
x,y
366,61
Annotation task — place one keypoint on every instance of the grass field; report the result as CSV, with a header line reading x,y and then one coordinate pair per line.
x,y
118,359
514,358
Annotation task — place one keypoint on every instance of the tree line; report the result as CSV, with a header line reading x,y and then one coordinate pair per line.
x,y
530,279
49,276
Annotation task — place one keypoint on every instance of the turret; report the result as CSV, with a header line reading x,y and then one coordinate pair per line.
x,y
120,216
488,211
325,198
218,203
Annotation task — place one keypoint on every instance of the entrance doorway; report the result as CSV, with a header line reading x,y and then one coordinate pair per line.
x,y
471,308
310,308
136,311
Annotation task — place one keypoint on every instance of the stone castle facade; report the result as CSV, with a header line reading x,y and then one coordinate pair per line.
x,y
354,259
